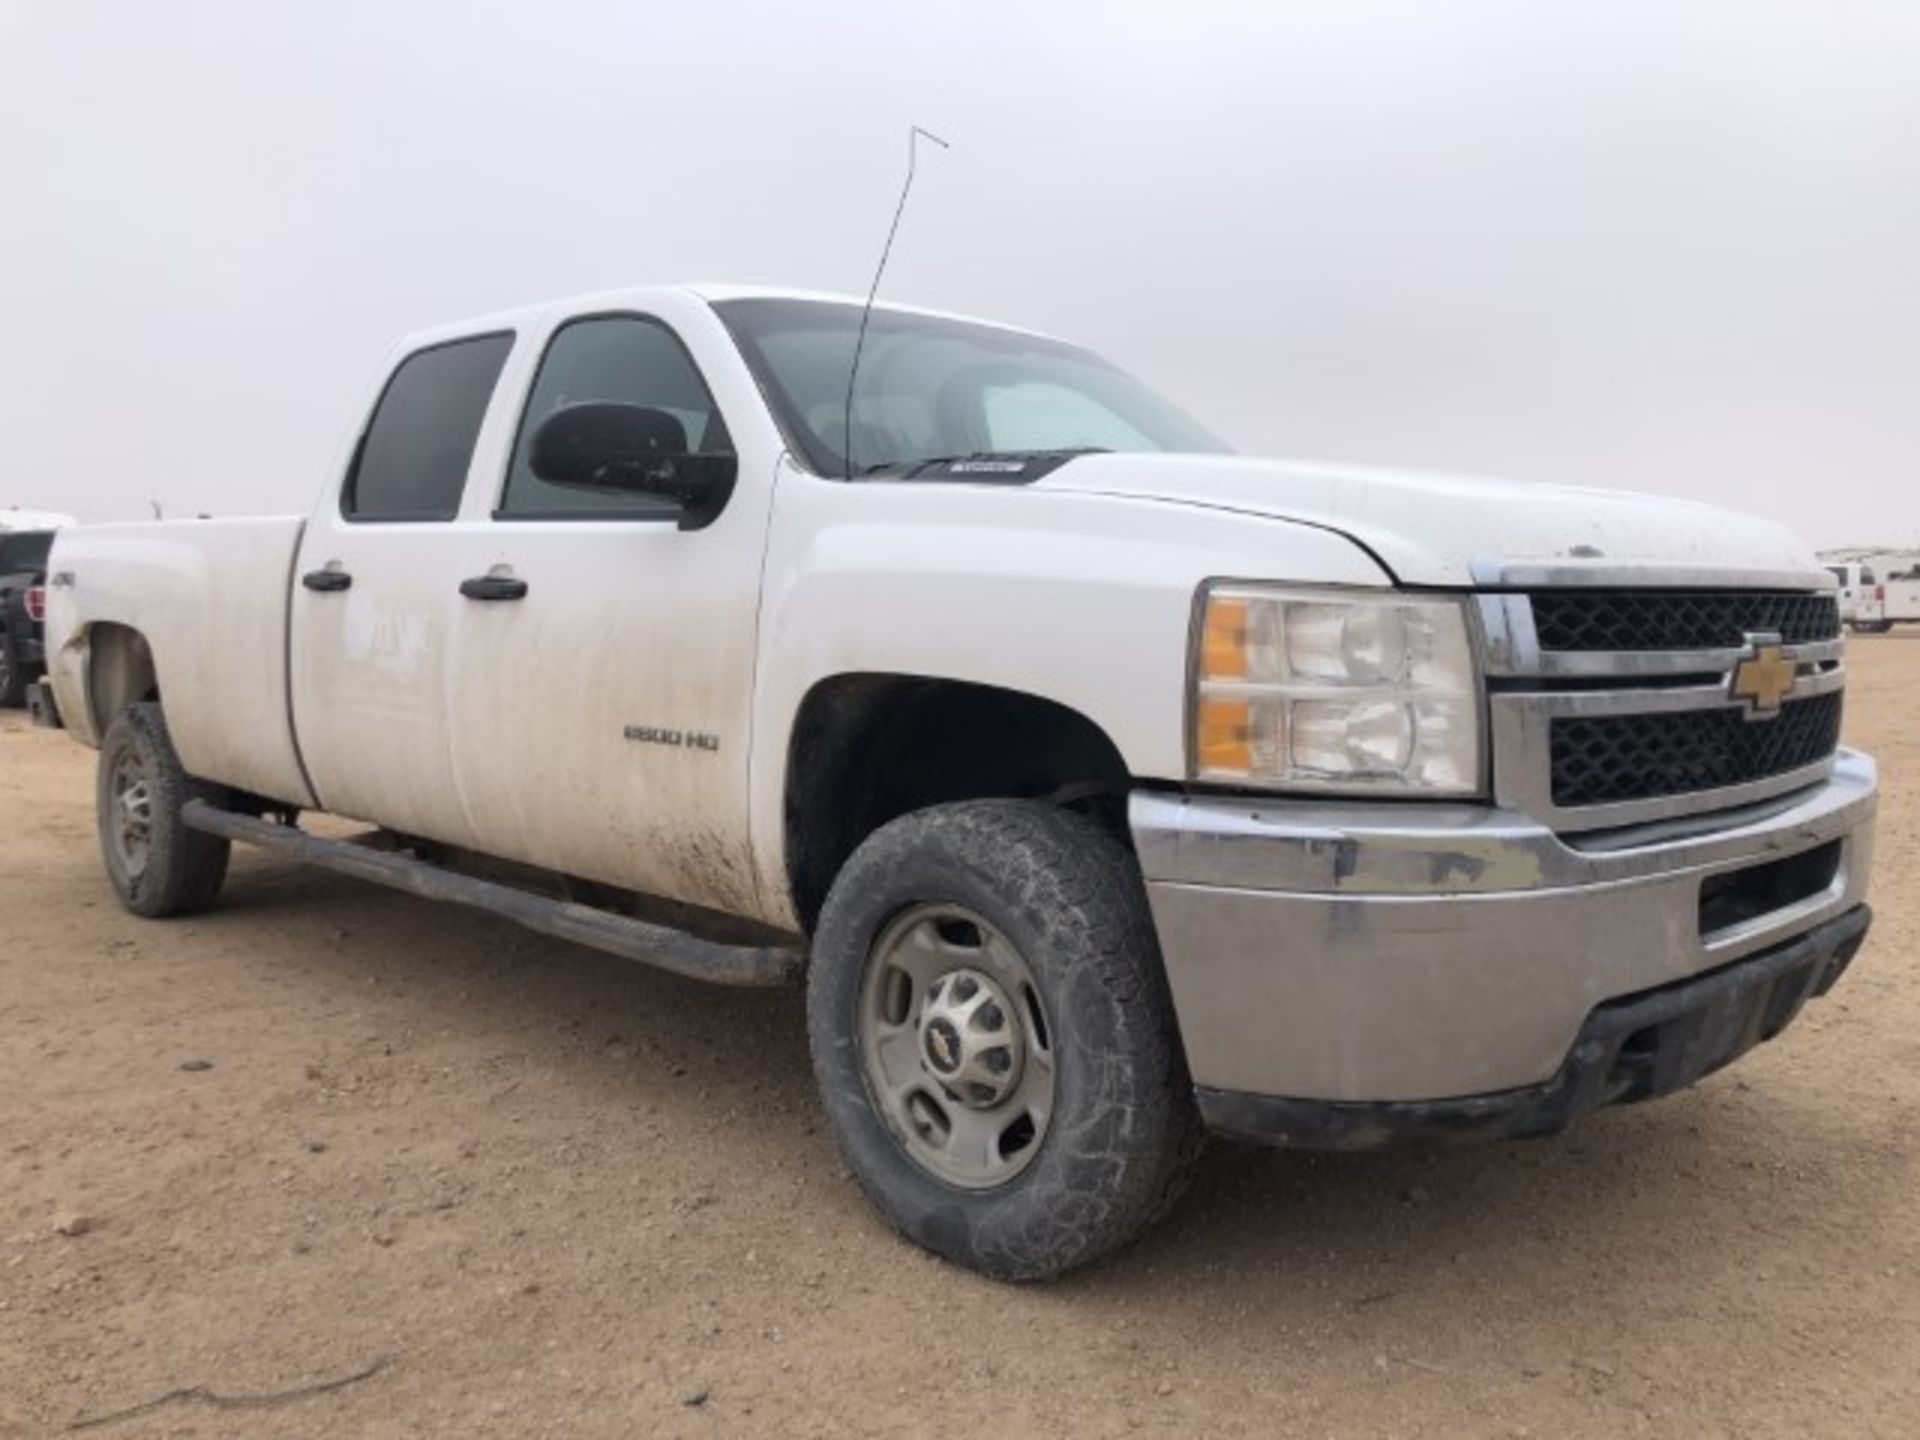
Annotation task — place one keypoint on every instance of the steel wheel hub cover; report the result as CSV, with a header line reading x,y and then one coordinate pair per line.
x,y
132,817
955,1046
970,1040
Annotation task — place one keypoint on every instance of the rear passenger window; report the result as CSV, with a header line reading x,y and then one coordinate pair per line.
x,y
628,360
413,459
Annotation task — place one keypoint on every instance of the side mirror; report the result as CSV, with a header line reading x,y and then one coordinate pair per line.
x,y
629,449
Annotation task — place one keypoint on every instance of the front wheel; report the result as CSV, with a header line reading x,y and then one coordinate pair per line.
x,y
994,1040
158,865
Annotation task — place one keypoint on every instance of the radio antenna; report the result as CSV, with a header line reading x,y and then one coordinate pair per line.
x,y
914,134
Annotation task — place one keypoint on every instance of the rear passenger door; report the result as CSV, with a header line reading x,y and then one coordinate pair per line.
x,y
374,591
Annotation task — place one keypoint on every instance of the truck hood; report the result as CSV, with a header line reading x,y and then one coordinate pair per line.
x,y
1452,530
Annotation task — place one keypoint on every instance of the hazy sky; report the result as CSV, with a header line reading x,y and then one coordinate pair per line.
x,y
1670,246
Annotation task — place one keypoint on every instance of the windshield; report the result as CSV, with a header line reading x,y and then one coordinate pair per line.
x,y
934,389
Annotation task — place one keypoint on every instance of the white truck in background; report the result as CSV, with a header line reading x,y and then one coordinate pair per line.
x,y
1878,589
1854,578
1102,786
1893,598
12,517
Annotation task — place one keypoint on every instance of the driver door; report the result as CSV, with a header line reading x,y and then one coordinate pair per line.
x,y
604,700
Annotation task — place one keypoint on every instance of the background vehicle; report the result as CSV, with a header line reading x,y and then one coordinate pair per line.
x,y
1887,602
1854,578
1103,785
1879,588
12,517
23,573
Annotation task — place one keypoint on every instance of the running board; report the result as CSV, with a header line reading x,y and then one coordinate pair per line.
x,y
657,945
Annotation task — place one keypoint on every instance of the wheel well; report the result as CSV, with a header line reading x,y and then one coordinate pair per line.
x,y
867,749
119,672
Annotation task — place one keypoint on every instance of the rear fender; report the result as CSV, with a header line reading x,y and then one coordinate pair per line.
x,y
198,612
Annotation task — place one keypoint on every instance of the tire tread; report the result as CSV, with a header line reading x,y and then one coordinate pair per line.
x,y
1075,886
185,868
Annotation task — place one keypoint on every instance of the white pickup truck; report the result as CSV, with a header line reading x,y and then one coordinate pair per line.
x,y
1105,788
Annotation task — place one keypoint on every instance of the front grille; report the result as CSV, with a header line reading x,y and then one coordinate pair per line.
x,y
1608,759
1679,619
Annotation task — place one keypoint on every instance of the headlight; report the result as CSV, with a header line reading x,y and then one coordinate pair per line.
x,y
1325,691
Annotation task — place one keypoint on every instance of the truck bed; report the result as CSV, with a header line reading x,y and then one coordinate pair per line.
x,y
211,597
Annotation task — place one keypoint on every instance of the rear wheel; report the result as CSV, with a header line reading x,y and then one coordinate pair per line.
x,y
158,865
994,1040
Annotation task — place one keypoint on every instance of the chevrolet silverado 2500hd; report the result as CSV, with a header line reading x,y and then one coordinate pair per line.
x,y
1105,787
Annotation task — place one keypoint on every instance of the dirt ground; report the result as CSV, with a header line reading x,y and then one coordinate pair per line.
x,y
326,1128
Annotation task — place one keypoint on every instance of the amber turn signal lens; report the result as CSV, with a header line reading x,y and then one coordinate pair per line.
x,y
1225,738
1223,647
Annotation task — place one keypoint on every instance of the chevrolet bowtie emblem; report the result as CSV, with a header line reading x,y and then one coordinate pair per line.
x,y
1764,678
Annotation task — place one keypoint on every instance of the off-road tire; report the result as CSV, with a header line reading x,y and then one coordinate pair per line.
x,y
1123,1132
183,868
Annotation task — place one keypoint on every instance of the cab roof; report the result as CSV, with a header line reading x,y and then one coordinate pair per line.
x,y
642,297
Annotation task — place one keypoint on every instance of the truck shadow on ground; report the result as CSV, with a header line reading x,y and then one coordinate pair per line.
x,y
728,1072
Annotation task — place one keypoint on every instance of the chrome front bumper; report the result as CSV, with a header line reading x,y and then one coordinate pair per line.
x,y
1365,952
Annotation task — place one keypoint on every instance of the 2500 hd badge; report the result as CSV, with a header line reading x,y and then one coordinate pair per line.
x,y
661,735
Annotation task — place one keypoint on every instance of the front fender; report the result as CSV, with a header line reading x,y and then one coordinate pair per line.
x,y
1085,600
